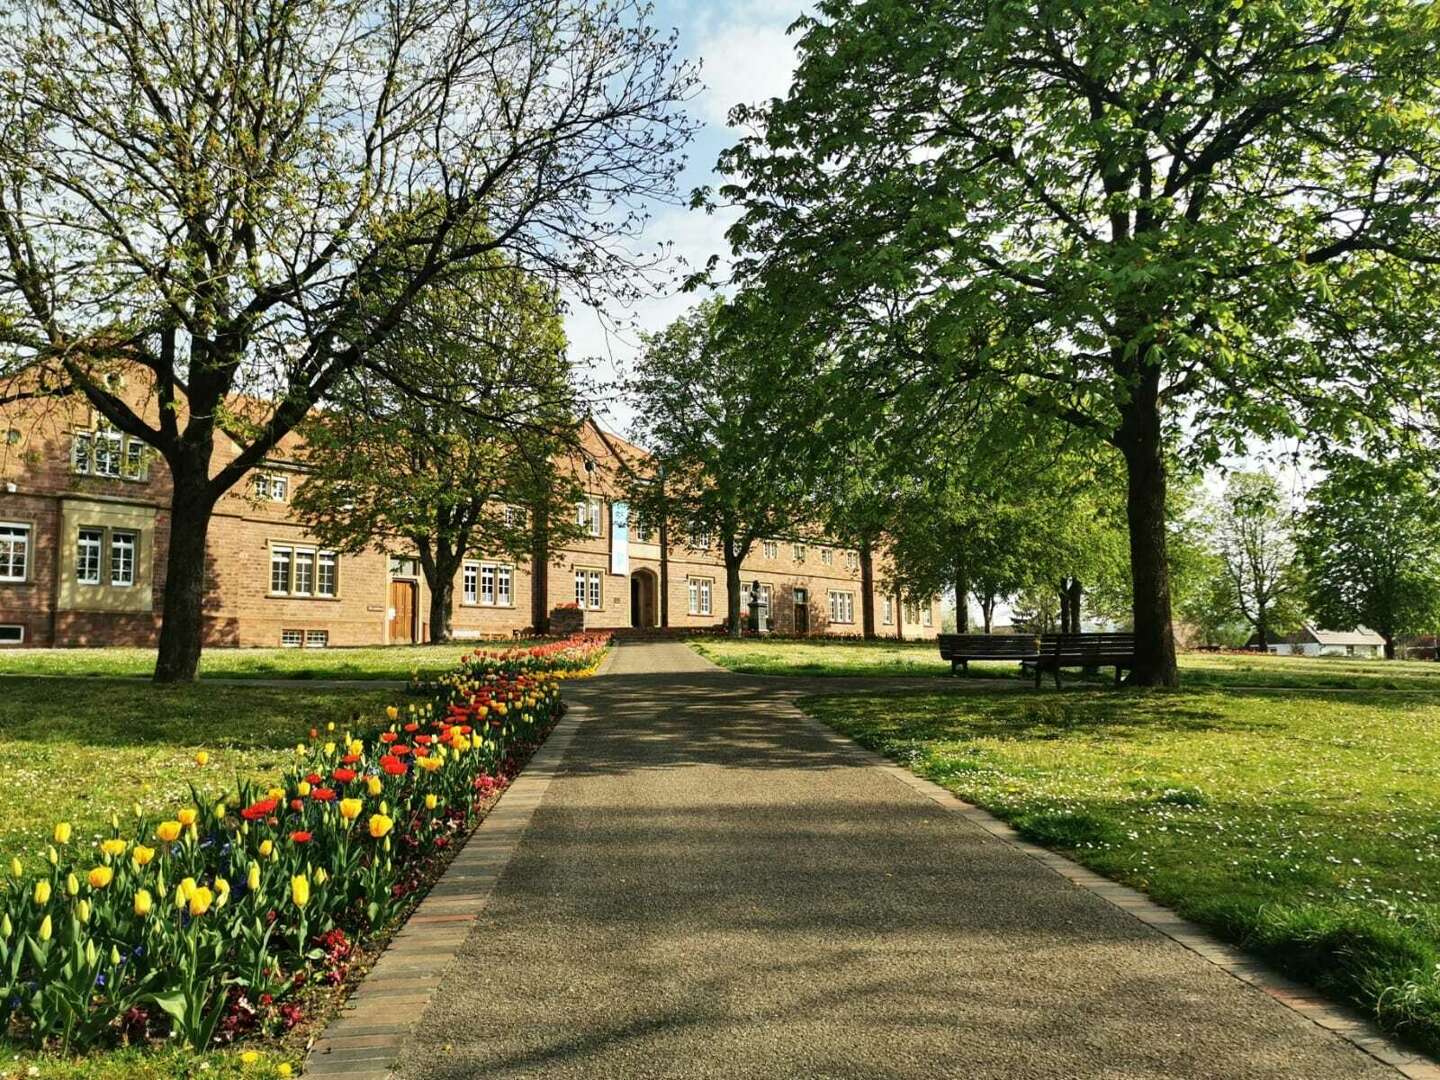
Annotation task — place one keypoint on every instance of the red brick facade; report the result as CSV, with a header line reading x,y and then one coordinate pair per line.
x,y
84,529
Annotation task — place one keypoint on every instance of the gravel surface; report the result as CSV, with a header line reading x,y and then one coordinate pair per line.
x,y
710,889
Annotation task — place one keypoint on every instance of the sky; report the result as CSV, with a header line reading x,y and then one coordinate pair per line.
x,y
745,56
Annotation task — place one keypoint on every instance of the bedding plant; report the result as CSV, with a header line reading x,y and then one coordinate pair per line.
x,y
207,924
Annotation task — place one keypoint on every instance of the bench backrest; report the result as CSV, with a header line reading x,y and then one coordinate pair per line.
x,y
998,646
1088,644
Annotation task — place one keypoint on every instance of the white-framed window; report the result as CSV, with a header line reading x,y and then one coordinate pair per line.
x,y
588,593
589,514
888,612
927,617
842,607
911,612
81,450
798,551
827,556
489,584
292,639
514,517
12,634
109,453
122,557
504,585
470,583
770,549
767,595
88,543
317,639
303,571
134,459
852,561
699,538
14,551
701,595
642,529
272,487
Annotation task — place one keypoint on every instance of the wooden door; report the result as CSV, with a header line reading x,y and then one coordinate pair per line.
x,y
802,611
402,612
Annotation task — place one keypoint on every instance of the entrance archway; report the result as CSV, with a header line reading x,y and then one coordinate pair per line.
x,y
644,594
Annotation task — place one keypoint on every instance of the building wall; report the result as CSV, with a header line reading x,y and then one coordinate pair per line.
x,y
40,489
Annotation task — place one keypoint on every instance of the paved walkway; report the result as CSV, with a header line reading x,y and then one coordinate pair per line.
x,y
711,887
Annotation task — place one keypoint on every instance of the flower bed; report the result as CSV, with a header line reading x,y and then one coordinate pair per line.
x,y
571,657
208,925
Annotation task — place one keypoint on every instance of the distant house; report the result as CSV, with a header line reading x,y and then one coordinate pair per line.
x,y
1310,641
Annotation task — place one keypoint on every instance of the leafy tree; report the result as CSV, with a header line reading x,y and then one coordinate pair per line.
x,y
1253,536
1370,545
209,194
447,437
715,403
1127,214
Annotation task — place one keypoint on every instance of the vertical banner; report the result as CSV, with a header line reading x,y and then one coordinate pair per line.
x,y
620,538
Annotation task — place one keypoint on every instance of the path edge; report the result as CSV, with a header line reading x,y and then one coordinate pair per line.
x,y
365,1039
1356,1029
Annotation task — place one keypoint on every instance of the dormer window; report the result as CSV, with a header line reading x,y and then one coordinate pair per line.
x,y
271,487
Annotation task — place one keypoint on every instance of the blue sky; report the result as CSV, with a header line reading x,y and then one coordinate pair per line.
x,y
745,55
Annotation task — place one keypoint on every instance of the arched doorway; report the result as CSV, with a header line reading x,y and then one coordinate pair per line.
x,y
644,593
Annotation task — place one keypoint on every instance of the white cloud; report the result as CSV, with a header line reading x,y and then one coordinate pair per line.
x,y
744,63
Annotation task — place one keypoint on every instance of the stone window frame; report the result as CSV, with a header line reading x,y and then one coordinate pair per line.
x,y
593,597
700,594
842,607
131,464
770,549
499,571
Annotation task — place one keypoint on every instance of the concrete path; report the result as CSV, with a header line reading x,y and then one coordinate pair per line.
x,y
711,887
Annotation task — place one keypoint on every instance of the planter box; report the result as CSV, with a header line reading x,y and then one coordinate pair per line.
x,y
566,621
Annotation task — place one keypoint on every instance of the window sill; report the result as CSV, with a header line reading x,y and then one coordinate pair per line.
x,y
486,607
295,596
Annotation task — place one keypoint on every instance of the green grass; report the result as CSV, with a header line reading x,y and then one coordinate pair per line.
x,y
77,750
369,662
887,658
1300,825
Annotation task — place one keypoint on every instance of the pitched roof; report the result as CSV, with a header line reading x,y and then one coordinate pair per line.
x,y
1361,635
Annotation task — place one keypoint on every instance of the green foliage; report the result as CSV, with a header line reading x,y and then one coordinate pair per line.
x,y
1370,542
717,398
1297,825
1158,223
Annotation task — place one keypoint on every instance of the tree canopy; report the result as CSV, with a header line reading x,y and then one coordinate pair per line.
x,y
1168,225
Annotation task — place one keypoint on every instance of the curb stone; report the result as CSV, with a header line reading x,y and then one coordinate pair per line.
x,y
1354,1028
364,1041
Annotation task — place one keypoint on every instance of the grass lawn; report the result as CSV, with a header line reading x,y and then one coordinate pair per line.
x,y
1304,826
368,662
76,750
818,657
170,1064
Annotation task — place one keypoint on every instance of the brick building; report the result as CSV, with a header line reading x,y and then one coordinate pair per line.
x,y
84,528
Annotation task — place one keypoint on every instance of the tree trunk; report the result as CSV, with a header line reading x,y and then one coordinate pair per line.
x,y
1077,597
987,611
899,618
1390,646
540,571
182,627
441,562
732,590
867,591
1141,441
1262,629
1064,591
664,570
962,600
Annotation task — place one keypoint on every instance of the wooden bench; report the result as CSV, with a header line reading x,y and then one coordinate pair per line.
x,y
960,649
1084,651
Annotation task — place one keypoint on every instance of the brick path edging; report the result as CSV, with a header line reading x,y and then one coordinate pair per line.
x,y
1346,1023
365,1040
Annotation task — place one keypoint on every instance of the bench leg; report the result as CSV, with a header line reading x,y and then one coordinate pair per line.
x,y
1057,676
1117,676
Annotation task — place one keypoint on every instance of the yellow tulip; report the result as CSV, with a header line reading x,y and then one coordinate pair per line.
x,y
82,911
143,902
350,808
357,747
42,892
266,847
113,847
431,802
330,726
72,884
302,789
380,825
391,711
100,876
142,855
252,878
430,764
330,746
188,816
17,869
283,1070
200,901
373,785
62,832
300,890
321,876
187,887
168,832
45,928
202,758
222,886
276,793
